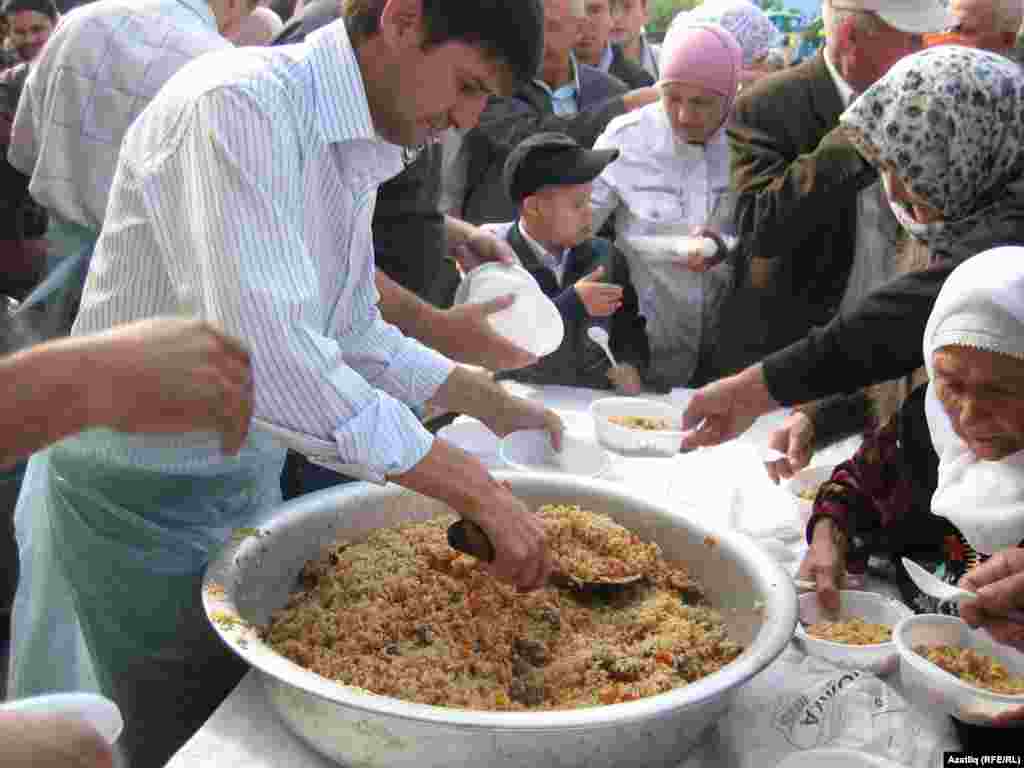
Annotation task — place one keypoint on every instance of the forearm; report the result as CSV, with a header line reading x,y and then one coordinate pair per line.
x,y
471,393
837,417
409,313
47,396
454,477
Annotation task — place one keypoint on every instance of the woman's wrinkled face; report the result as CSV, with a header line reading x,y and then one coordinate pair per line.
x,y
923,212
694,112
983,394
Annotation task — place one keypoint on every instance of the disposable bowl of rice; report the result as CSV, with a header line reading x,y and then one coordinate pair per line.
x,y
946,665
859,636
635,426
380,646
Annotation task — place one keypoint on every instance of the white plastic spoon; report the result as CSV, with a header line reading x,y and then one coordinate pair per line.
x,y
599,336
946,593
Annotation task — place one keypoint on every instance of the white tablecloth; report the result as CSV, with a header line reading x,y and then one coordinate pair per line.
x,y
725,485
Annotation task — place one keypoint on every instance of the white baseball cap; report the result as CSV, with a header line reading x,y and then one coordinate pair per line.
x,y
917,17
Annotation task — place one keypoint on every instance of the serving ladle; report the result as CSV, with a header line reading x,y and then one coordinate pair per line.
x,y
930,584
469,538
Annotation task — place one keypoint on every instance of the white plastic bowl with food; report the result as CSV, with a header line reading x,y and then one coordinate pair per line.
x,y
931,687
532,322
638,427
803,486
861,616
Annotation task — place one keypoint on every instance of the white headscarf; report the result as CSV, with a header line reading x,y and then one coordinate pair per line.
x,y
981,305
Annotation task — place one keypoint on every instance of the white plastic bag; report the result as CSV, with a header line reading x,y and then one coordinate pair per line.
x,y
801,702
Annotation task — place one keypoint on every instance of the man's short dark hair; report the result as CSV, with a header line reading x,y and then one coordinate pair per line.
x,y
45,7
511,31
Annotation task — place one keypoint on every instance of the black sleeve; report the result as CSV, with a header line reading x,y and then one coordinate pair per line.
x,y
878,340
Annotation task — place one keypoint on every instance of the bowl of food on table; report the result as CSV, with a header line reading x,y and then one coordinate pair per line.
x,y
858,635
637,426
946,665
380,645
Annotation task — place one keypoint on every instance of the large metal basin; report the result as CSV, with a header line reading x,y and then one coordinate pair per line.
x,y
255,574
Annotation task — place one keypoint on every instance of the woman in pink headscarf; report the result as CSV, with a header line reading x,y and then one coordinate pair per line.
x,y
672,173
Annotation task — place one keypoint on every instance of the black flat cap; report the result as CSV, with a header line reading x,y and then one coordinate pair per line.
x,y
549,159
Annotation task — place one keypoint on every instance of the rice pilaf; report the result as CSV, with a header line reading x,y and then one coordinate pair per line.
x,y
402,614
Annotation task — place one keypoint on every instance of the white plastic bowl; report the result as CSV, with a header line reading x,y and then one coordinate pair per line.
x,y
98,711
530,450
532,322
637,442
804,480
872,607
930,687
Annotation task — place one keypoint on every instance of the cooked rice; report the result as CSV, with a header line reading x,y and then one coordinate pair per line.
x,y
403,615
640,422
974,668
853,631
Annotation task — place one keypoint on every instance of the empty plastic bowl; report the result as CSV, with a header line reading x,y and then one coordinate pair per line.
x,y
930,687
873,608
635,441
836,758
532,322
530,450
98,711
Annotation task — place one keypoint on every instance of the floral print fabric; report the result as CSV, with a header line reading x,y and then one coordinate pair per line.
x,y
949,122
750,25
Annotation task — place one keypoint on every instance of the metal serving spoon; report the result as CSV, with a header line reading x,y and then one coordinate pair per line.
x,y
930,584
469,538
599,336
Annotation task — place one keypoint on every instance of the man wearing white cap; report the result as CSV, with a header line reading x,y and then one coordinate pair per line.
x,y
806,199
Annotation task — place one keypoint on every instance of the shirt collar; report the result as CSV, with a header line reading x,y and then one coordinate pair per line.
x,y
607,57
574,84
202,9
846,92
342,111
647,58
548,259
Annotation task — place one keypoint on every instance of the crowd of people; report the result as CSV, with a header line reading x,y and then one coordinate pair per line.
x,y
235,209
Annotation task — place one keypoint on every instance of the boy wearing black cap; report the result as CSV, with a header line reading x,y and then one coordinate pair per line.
x,y
549,177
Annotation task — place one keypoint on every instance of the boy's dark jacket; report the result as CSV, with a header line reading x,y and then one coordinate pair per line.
x,y
579,361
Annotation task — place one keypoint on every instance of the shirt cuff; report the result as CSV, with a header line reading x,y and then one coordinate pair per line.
x,y
417,372
385,437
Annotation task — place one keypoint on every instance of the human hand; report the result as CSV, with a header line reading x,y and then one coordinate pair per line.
x,y
795,438
999,582
626,379
723,409
599,299
701,252
507,414
517,536
50,741
479,344
825,565
480,247
169,375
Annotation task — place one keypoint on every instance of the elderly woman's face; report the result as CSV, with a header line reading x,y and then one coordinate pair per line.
x,y
983,394
693,112
923,213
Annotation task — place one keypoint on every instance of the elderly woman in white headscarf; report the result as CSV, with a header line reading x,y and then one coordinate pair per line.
x,y
943,482
672,170
751,27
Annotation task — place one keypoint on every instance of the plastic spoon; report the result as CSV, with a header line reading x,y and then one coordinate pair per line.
x,y
599,336
946,593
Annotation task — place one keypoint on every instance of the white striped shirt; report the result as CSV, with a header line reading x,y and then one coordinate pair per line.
x,y
100,68
244,195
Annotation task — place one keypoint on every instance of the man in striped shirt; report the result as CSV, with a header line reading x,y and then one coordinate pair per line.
x,y
243,195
